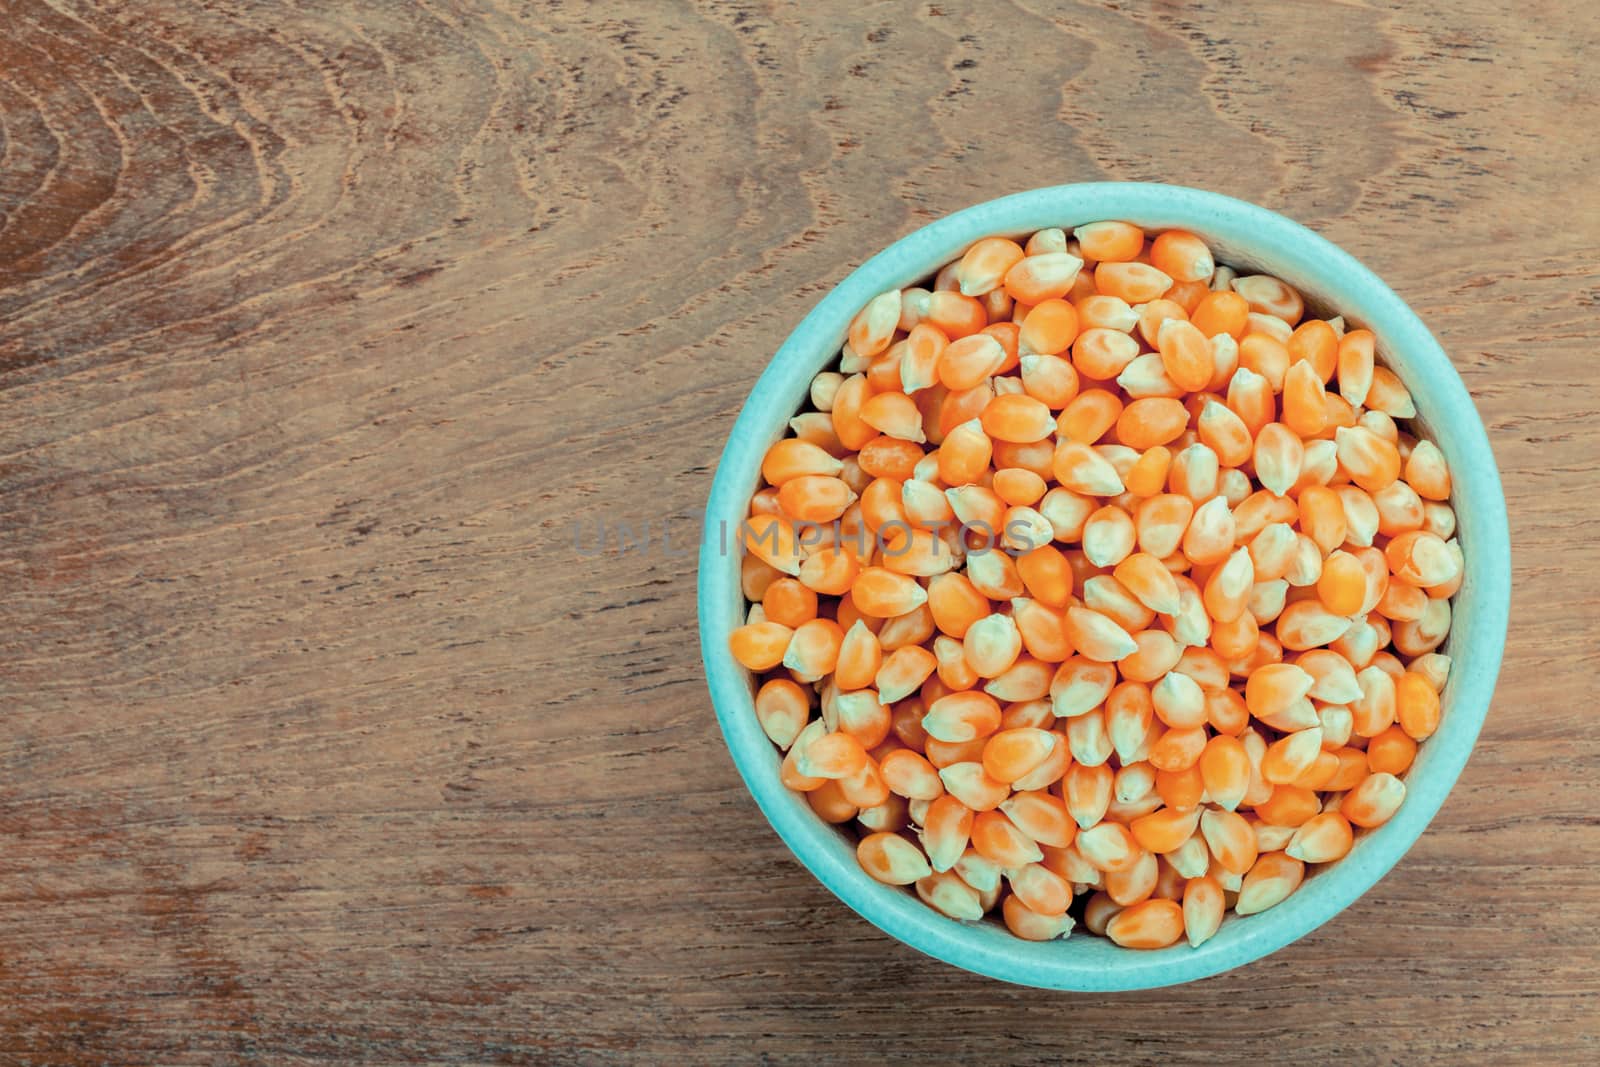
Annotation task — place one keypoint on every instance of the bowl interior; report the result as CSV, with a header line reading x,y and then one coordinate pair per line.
x,y
1250,239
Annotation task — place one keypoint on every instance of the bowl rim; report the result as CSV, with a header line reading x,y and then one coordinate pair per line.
x,y
1303,258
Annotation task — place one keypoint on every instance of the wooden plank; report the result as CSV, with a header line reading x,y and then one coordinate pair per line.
x,y
322,324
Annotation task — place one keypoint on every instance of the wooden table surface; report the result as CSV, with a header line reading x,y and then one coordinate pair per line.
x,y
322,324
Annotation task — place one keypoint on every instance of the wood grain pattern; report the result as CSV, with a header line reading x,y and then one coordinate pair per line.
x,y
321,325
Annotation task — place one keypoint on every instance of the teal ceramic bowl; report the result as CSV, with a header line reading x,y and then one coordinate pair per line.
x,y
1253,240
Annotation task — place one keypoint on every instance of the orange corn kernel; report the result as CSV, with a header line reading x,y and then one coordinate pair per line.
x,y
1374,801
1181,790
1048,773
1225,433
1186,354
1037,278
1369,460
1187,295
1156,312
1290,757
1031,925
1042,816
1049,328
942,754
1108,847
1148,579
1135,884
1099,353
1052,239
1136,283
1288,805
1352,769
1149,924
910,775
1148,475
1150,422
1222,313
966,362
792,458
1315,342
873,327
1088,793
956,315
996,838
789,602
1355,366
985,264
1182,256
1040,628
962,405
884,593
1040,889
1270,296
1145,376
1179,749
814,498
1421,558
1112,242
846,413
1155,656
1165,830
1321,839
1391,752
946,829
1426,472
813,648
1018,487
1083,470
1049,378
967,782
1017,418
1279,455
1106,312
1270,881
894,414
1163,520
782,708
950,896
1250,398
829,802
1109,536
1230,838
1088,416
903,672
992,645
835,755
961,717
919,364
891,859
1342,586
1416,705
1203,907
1305,410
1266,356
760,646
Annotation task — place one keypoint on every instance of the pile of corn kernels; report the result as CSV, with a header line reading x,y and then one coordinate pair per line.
x,y
1100,584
